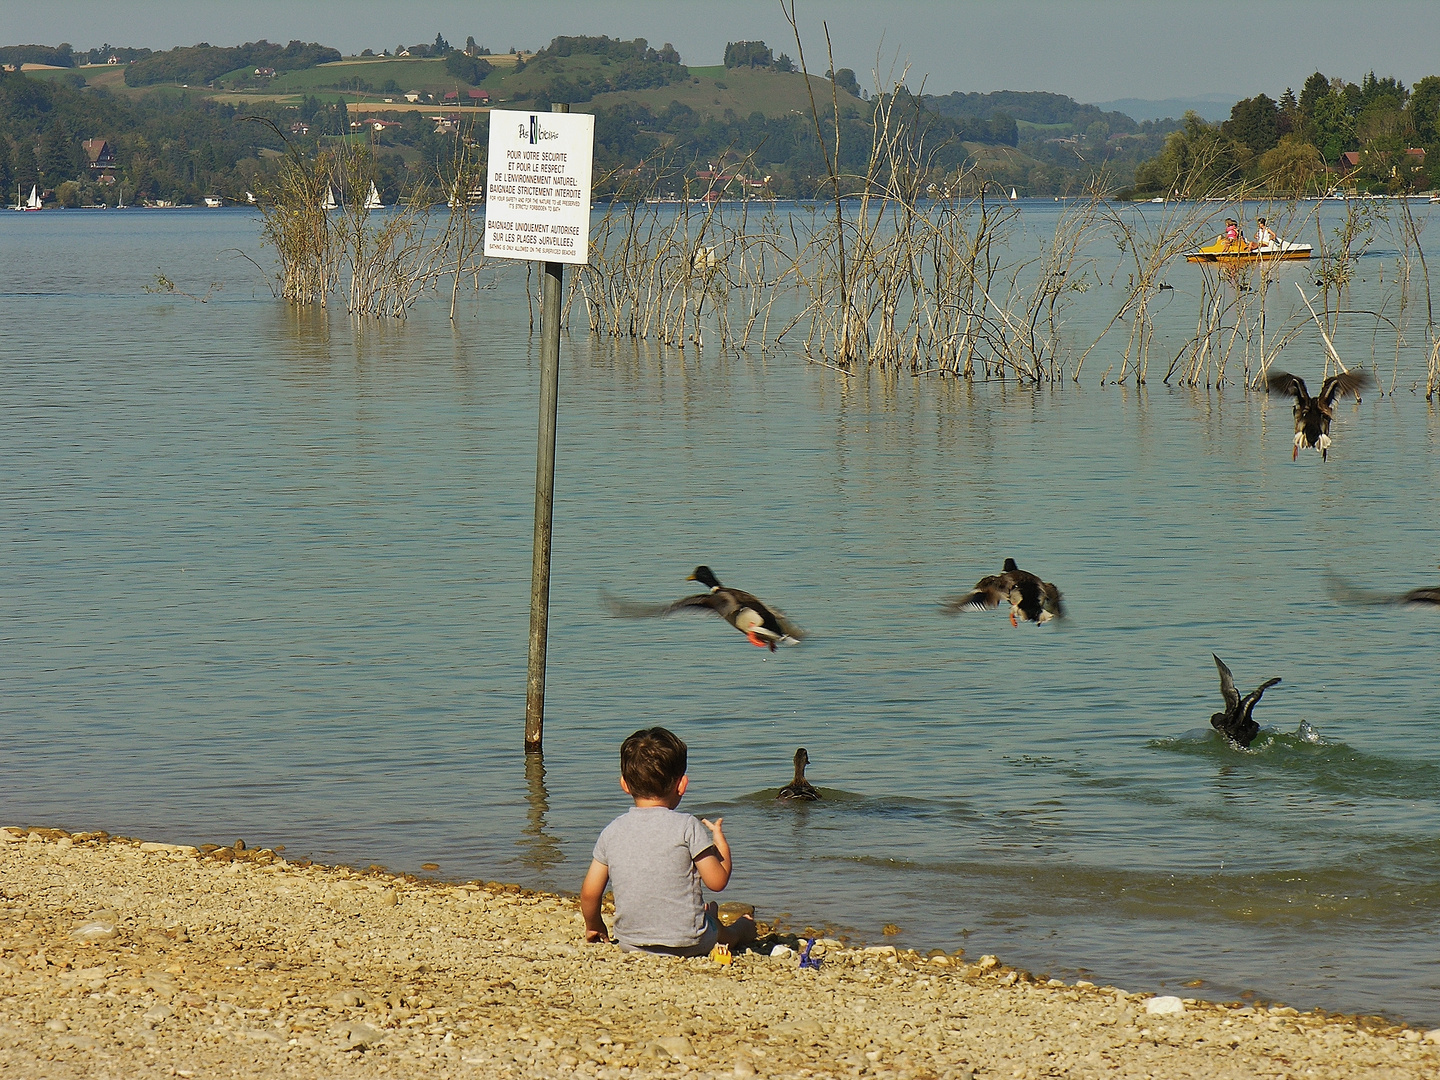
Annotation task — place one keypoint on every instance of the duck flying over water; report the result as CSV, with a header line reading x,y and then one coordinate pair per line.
x,y
763,626
1235,723
1340,589
799,788
1313,415
1030,598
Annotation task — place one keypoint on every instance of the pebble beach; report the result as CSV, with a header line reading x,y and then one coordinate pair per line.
x,y
123,958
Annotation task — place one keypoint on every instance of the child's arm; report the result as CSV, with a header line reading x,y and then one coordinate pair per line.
x,y
591,893
715,871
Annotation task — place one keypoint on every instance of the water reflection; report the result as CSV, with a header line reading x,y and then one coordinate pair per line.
x,y
540,851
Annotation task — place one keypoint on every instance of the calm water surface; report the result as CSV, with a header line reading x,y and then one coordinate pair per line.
x,y
265,574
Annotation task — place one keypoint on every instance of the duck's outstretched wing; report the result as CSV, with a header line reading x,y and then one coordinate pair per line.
x,y
989,592
1247,706
1054,601
1282,382
620,608
1428,594
1227,685
1345,593
1351,382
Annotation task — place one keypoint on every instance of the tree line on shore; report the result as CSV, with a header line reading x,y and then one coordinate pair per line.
x,y
1377,137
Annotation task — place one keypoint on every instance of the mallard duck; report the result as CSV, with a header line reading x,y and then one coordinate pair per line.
x,y
1313,415
763,626
1235,723
1347,593
799,788
1030,598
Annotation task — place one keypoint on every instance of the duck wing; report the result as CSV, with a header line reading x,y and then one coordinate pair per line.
x,y
1282,382
1247,705
1351,382
989,592
1227,686
619,608
1342,591
1052,600
1429,594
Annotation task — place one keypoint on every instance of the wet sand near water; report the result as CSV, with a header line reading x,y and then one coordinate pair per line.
x,y
121,958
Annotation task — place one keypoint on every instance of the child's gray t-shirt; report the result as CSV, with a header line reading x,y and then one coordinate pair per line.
x,y
651,852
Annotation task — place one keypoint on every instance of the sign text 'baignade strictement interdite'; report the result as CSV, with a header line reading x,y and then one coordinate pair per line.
x,y
537,198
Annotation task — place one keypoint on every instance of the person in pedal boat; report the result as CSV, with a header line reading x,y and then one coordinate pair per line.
x,y
1233,237
1265,236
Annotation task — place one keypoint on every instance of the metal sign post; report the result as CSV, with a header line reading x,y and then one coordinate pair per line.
x,y
538,206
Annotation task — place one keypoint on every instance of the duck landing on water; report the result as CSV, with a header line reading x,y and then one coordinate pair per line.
x,y
765,627
1235,723
1030,598
799,788
1313,415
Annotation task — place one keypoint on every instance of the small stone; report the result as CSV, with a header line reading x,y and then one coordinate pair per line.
x,y
158,1013
346,999
64,842
1165,1006
987,962
99,927
358,1035
743,1068
430,866
239,845
56,1025
890,929
781,952
389,898
677,1046
1433,1035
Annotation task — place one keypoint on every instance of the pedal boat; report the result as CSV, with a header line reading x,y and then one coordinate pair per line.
x,y
1221,250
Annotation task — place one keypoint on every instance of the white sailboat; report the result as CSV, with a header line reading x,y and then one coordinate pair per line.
x,y
1013,197
372,201
32,203
329,203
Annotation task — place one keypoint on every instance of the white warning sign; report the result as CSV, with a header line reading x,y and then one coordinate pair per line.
x,y
537,194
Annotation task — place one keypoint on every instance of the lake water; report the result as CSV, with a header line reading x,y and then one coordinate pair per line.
x,y
265,575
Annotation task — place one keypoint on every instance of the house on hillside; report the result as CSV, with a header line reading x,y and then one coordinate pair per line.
x,y
451,97
1350,159
299,128
100,159
478,97
264,73
381,126
412,96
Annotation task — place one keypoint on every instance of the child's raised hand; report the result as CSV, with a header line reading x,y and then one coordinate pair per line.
x,y
714,827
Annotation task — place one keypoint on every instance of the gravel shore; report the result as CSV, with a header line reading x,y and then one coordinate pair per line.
x,y
127,959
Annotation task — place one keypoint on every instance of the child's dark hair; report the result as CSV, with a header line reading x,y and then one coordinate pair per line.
x,y
652,761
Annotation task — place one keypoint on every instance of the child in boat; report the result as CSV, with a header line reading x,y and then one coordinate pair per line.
x,y
1264,235
1233,237
655,860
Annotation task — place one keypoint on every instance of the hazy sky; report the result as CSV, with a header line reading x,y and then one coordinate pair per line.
x,y
1093,50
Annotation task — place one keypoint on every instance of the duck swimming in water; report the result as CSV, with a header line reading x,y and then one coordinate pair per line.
x,y
799,788
1235,723
1313,415
1030,598
763,626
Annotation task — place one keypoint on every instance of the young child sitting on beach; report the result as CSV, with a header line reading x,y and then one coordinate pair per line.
x,y
655,860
